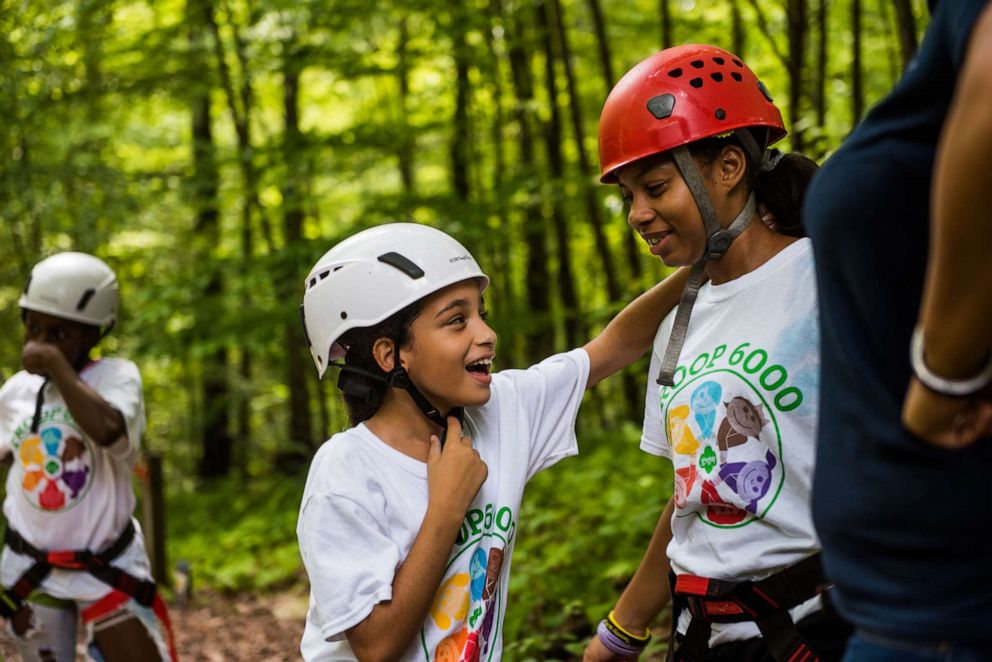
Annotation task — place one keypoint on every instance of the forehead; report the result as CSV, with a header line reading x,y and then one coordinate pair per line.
x,y
634,171
47,321
467,290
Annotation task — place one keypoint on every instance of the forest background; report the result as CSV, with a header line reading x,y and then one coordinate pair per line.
x,y
211,150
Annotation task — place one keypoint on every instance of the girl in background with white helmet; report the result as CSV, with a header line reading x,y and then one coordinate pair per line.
x,y
409,518
735,407
73,426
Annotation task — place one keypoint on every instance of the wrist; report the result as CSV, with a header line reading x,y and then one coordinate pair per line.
x,y
948,386
633,623
619,640
443,517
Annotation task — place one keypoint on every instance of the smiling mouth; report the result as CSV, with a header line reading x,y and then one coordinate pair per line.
x,y
481,367
655,239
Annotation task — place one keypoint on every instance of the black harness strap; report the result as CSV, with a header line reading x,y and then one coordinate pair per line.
x,y
97,564
766,603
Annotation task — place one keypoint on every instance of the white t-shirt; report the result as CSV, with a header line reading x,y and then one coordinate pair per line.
x,y
364,503
740,427
64,492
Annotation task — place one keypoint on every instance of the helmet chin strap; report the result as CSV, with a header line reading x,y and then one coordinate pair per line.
x,y
397,378
718,240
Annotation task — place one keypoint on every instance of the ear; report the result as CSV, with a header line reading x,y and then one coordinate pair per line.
x,y
731,165
383,351
91,338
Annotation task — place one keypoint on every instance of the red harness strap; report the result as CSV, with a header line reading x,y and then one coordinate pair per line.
x,y
765,603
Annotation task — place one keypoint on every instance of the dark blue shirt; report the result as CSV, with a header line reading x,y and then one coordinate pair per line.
x,y
905,527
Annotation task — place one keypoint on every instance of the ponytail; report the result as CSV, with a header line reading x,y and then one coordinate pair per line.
x,y
781,187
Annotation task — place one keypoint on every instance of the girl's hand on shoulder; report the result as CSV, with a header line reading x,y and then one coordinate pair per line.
x,y
454,473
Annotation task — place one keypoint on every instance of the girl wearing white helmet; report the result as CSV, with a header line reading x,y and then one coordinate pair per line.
x,y
407,536
72,426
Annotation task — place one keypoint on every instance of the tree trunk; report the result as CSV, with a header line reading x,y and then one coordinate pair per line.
x,y
798,16
632,391
737,30
631,249
822,54
300,429
406,143
552,142
539,330
906,29
593,208
667,31
460,133
501,242
215,437
857,82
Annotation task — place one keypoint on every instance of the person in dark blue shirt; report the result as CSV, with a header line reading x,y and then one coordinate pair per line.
x,y
901,221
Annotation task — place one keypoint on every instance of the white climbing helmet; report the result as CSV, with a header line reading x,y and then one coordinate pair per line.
x,y
374,274
73,286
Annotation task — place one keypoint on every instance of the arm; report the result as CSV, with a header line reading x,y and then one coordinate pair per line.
x,y
454,477
631,332
646,594
97,418
956,312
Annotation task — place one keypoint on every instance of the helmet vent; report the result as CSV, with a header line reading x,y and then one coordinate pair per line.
x,y
719,60
404,264
717,76
698,64
738,63
324,274
85,299
696,83
676,72
736,76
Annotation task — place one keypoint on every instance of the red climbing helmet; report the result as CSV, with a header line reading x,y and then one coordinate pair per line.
x,y
678,96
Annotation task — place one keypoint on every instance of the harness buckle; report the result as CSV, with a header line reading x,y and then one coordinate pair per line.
x,y
721,608
65,560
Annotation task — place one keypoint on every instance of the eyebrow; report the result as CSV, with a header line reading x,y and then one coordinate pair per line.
x,y
459,303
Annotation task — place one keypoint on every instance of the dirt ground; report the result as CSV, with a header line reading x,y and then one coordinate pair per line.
x,y
218,628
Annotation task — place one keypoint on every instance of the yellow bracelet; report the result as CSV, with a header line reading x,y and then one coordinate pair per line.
x,y
638,637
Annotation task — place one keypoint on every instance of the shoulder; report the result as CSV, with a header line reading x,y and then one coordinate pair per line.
x,y
337,464
19,384
113,366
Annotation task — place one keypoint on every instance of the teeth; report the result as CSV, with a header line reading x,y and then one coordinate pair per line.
x,y
482,362
653,241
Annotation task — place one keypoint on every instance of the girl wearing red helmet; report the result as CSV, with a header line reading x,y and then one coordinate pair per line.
x,y
685,135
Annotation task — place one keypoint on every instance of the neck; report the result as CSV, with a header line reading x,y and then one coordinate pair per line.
x,y
401,425
755,246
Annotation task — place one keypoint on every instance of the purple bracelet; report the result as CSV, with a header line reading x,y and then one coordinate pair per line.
x,y
616,645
